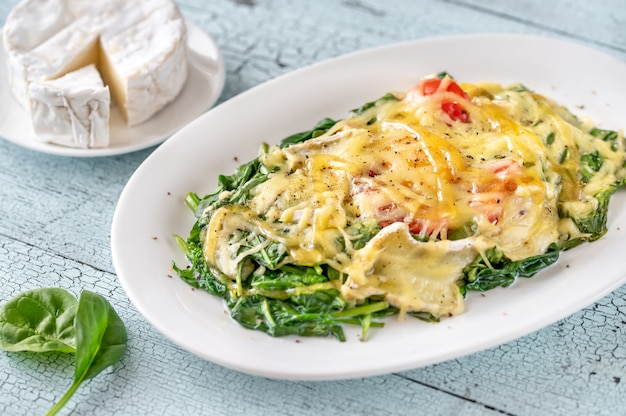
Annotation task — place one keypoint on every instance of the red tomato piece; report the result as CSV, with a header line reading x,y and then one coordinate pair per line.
x,y
456,89
455,111
430,86
416,227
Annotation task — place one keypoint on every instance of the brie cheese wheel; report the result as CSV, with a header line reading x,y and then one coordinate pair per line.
x,y
138,46
72,110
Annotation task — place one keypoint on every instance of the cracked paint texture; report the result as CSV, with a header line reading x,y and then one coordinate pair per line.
x,y
55,219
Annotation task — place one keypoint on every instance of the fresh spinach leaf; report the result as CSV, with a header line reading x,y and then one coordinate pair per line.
x,y
100,336
100,341
51,319
39,320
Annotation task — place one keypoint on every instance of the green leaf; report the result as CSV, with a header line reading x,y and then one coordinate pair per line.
x,y
519,88
100,341
385,98
287,277
192,200
606,135
320,128
595,223
500,271
39,320
238,187
563,156
590,164
365,233
100,336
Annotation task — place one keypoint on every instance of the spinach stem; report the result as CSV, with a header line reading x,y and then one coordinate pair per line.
x,y
362,310
66,398
365,326
192,200
265,307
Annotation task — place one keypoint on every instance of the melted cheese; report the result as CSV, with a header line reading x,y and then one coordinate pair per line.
x,y
387,266
409,166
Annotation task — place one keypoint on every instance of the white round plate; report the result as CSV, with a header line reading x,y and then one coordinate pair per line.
x,y
151,209
202,89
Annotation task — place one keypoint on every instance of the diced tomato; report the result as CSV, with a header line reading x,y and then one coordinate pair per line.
x,y
417,226
387,207
489,200
492,208
455,88
455,111
506,168
385,223
430,86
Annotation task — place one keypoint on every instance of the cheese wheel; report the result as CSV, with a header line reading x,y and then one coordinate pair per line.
x,y
138,46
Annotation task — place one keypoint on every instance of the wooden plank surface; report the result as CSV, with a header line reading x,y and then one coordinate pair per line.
x,y
55,217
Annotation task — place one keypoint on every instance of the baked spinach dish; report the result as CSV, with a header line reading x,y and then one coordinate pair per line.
x,y
402,208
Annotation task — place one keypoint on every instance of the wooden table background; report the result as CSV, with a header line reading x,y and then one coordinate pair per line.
x,y
55,218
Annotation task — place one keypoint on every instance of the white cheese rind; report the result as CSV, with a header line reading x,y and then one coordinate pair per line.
x,y
72,110
147,64
71,48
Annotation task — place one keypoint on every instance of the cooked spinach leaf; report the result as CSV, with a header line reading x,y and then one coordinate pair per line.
x,y
496,270
590,164
232,189
320,128
606,135
385,98
287,300
595,223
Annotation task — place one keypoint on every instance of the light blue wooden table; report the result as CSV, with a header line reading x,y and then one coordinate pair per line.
x,y
55,218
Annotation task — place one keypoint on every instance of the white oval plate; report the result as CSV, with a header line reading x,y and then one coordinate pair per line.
x,y
151,208
202,89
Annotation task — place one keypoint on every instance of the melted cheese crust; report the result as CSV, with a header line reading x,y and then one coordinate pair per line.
x,y
499,175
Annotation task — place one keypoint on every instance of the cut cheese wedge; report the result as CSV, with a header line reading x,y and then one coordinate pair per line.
x,y
72,110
